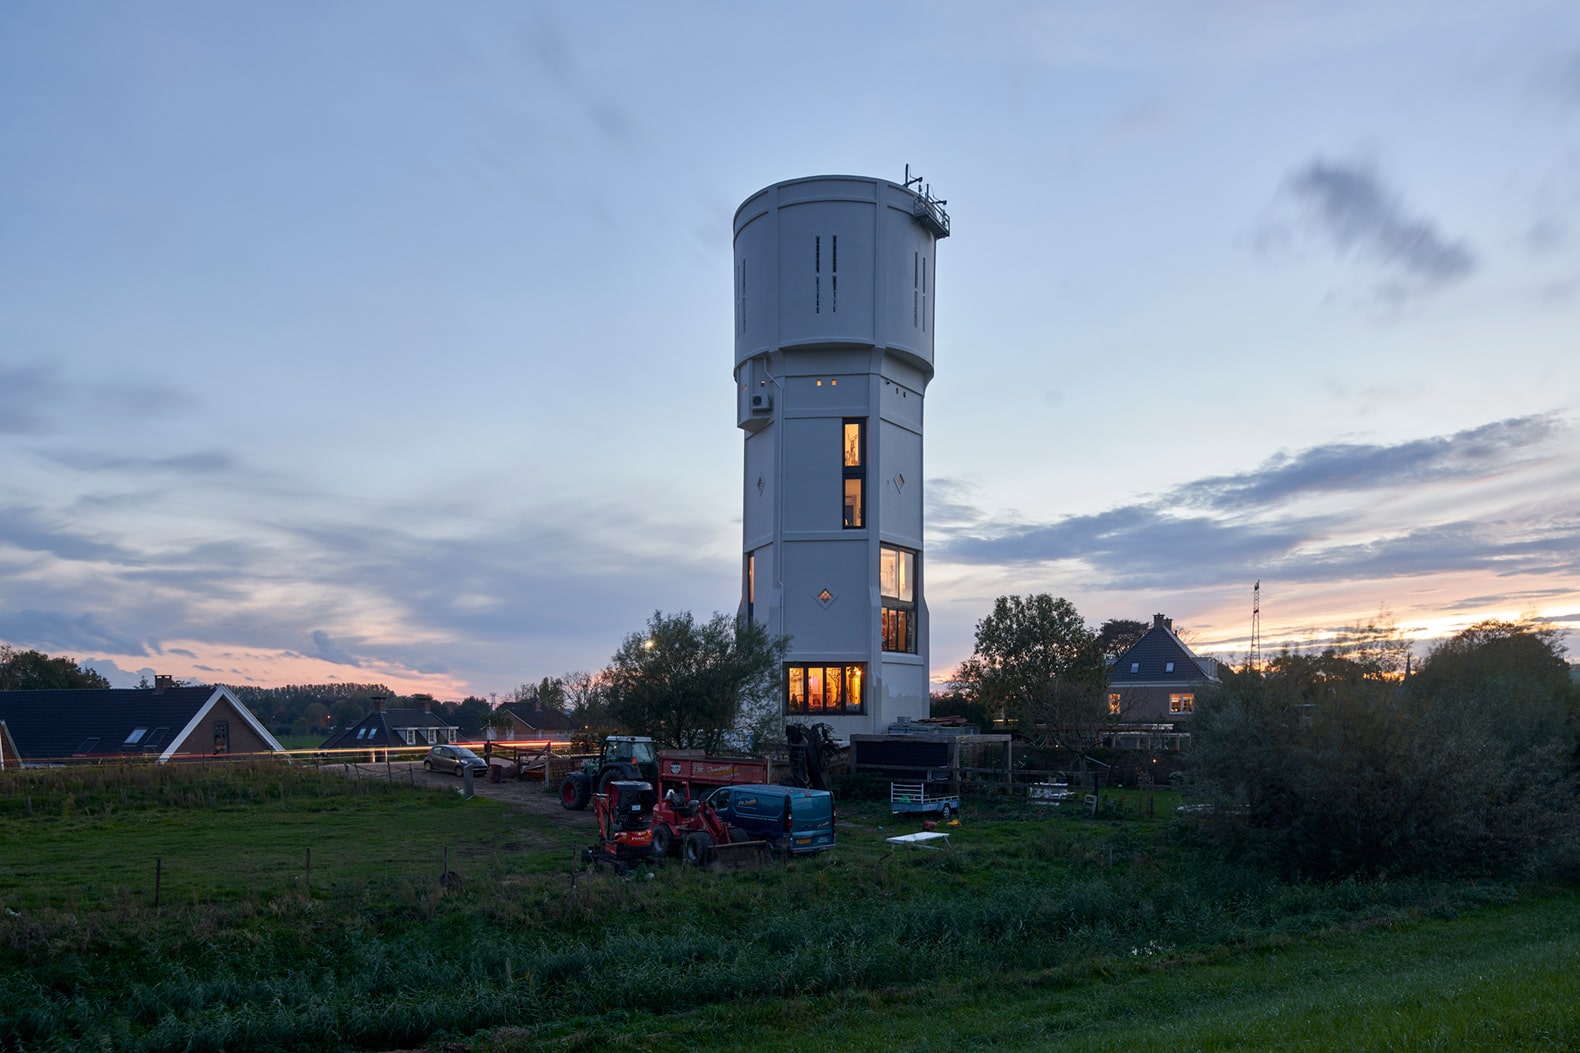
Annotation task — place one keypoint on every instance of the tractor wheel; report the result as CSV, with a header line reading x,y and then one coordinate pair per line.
x,y
699,848
575,790
663,840
609,776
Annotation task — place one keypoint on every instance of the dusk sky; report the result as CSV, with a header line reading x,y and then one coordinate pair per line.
x,y
392,342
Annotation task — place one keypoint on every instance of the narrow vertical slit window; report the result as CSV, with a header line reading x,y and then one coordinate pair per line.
x,y
855,474
833,280
924,294
740,304
915,288
817,274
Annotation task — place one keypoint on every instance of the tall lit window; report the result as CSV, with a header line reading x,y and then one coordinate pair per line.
x,y
855,474
823,689
751,585
897,586
1113,703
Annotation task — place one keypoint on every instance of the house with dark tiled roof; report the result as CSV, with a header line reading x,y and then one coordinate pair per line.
x,y
530,722
162,723
1152,689
9,757
387,729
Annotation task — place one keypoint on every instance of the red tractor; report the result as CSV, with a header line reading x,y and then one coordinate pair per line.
x,y
692,829
625,827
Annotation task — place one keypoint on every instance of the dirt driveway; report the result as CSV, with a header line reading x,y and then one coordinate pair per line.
x,y
522,794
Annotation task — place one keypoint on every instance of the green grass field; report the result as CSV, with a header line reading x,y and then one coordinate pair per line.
x,y
1035,930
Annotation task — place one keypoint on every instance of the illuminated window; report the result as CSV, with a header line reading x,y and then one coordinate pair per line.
x,y
823,689
1113,703
855,474
222,736
897,585
751,585
1182,703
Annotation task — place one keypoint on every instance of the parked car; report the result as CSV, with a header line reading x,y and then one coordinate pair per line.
x,y
454,759
789,818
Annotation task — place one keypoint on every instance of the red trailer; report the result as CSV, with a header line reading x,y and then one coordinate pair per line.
x,y
681,769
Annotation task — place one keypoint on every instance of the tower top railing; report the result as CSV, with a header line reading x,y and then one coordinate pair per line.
x,y
927,209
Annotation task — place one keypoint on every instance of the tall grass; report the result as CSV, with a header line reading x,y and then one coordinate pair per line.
x,y
383,956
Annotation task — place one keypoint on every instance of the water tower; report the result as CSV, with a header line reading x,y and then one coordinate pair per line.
x,y
835,287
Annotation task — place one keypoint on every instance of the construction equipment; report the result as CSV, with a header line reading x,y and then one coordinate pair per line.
x,y
625,826
632,758
693,830
812,750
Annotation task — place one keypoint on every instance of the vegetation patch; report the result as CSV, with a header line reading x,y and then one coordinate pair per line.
x,y
1027,912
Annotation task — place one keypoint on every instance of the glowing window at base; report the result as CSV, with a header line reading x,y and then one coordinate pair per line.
x,y
824,689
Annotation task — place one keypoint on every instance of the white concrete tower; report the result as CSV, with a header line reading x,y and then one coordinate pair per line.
x,y
835,280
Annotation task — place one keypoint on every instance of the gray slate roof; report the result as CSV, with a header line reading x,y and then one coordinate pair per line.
x,y
383,728
97,722
1149,660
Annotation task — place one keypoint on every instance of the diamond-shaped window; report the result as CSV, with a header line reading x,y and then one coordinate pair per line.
x,y
825,597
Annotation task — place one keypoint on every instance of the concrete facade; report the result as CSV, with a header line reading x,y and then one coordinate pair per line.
x,y
835,286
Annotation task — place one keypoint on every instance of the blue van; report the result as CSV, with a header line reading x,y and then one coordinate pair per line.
x,y
789,818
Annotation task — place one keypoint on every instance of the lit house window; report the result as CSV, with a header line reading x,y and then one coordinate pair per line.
x,y
1113,703
855,473
1182,703
897,585
823,689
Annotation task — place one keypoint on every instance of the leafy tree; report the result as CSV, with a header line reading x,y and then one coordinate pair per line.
x,y
1038,665
1329,764
470,716
1118,635
586,699
954,702
685,683
36,671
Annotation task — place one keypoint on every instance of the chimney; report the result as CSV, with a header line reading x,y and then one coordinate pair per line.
x,y
161,683
422,705
1159,622
378,705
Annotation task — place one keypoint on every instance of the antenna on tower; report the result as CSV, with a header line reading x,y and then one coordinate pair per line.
x,y
1256,627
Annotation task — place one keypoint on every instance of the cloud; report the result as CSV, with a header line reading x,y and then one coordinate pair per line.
x,y
1228,527
326,649
1355,467
117,676
1565,82
32,531
208,462
24,388
75,633
1348,207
